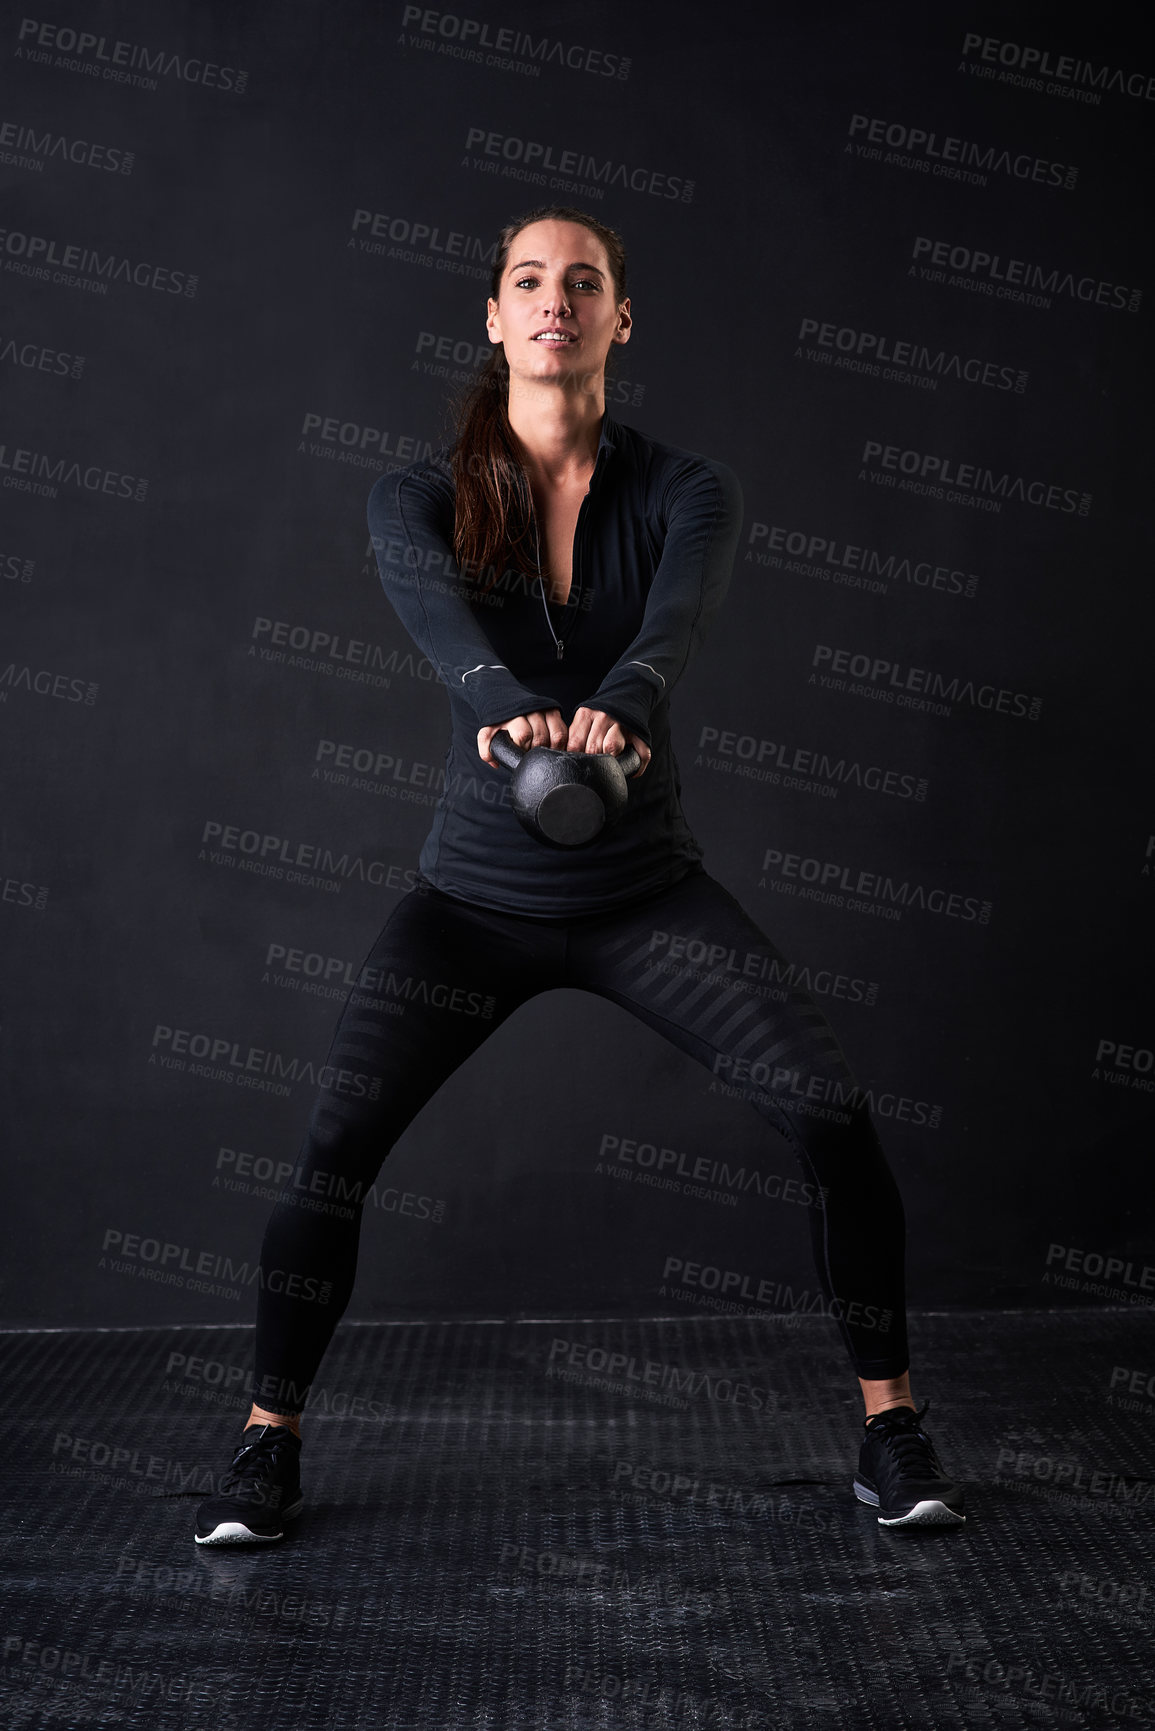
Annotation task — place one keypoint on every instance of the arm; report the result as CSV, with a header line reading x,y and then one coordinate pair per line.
x,y
407,525
703,510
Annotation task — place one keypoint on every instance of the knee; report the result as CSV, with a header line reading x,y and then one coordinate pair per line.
x,y
337,1156
837,1137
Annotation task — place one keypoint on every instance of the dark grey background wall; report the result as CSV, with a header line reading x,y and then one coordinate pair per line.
x,y
887,264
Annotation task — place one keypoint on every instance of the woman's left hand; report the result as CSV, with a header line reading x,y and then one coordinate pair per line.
x,y
595,731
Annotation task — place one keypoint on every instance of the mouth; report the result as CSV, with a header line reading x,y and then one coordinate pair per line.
x,y
555,339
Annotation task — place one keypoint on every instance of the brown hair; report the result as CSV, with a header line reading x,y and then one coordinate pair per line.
x,y
491,518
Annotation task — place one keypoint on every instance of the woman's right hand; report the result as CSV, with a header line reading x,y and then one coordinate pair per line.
x,y
542,727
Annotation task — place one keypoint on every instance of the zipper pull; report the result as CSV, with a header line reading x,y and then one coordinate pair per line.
x,y
560,648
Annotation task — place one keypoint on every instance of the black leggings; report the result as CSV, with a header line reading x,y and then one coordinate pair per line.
x,y
691,964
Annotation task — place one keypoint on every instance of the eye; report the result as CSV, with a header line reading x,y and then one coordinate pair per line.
x,y
577,283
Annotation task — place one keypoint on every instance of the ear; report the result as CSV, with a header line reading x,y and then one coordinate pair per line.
x,y
493,320
625,323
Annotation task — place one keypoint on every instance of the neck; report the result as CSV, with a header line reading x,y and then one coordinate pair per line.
x,y
558,429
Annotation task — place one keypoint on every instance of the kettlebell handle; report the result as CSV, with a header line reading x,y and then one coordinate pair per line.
x,y
509,753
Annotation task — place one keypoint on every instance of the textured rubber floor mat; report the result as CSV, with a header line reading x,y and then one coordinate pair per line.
x,y
553,1526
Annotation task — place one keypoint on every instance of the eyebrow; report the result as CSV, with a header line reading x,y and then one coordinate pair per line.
x,y
539,264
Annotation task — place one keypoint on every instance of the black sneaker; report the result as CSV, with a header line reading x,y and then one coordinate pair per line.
x,y
900,1475
260,1491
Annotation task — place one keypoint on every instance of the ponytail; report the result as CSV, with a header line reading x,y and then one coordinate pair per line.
x,y
493,516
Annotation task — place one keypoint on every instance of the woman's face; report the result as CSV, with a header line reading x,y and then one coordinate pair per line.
x,y
556,315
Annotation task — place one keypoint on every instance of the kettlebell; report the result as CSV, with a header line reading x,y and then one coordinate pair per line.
x,y
565,798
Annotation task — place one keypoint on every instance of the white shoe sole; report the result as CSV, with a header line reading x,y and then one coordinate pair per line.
x,y
233,1533
930,1513
236,1533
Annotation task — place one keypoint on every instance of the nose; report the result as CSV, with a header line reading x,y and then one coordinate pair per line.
x,y
556,304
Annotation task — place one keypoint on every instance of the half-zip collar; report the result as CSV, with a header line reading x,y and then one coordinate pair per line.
x,y
606,445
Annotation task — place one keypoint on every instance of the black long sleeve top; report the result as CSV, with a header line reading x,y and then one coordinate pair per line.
x,y
653,549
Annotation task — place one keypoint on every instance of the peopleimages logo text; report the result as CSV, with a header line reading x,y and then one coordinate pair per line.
x,y
991,267
38,253
935,147
888,675
454,244
942,472
119,60
19,464
39,147
221,1053
1040,63
870,347
834,878
472,34
859,567
597,171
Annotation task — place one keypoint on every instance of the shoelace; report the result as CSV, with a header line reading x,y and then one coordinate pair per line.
x,y
253,1466
907,1445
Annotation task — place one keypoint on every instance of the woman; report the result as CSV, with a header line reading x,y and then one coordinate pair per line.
x,y
557,569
